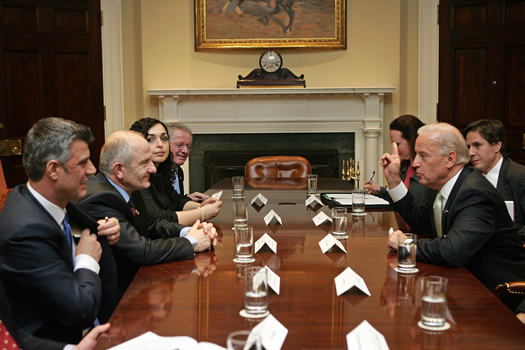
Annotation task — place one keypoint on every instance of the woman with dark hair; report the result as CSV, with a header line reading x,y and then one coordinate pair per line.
x,y
161,198
403,131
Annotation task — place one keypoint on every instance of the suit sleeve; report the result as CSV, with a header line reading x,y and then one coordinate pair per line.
x,y
139,249
162,223
34,259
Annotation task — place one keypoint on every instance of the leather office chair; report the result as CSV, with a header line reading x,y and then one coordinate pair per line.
x,y
277,172
511,293
277,167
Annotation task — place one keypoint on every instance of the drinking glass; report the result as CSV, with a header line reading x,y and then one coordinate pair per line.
x,y
238,186
255,290
406,252
243,244
339,221
433,301
240,213
311,180
358,202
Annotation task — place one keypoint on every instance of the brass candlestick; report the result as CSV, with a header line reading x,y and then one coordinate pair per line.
x,y
352,172
343,174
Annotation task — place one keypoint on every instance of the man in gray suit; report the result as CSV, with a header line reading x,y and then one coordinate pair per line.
x,y
486,140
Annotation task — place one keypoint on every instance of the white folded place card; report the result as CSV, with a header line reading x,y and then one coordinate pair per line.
x,y
328,242
259,200
348,279
313,201
152,341
274,281
269,241
272,218
510,208
217,195
366,337
321,219
271,332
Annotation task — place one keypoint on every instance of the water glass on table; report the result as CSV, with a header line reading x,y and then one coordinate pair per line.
x,y
406,253
237,341
256,290
433,302
243,244
358,202
238,186
311,183
339,222
240,213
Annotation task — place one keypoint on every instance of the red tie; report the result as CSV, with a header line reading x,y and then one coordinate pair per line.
x,y
132,206
6,340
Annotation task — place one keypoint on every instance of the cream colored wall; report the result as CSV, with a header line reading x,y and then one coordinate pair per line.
x,y
159,54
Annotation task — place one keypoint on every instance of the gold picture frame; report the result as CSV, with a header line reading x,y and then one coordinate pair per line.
x,y
221,25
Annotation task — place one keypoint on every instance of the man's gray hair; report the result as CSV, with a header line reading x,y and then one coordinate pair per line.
x,y
180,126
48,139
117,149
449,139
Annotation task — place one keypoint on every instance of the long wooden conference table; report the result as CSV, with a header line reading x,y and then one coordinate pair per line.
x,y
201,298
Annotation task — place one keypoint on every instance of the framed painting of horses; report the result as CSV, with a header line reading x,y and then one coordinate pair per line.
x,y
258,24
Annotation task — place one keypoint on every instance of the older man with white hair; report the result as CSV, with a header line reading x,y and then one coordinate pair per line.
x,y
467,218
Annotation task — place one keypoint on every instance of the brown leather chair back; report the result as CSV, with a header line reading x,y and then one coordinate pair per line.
x,y
277,167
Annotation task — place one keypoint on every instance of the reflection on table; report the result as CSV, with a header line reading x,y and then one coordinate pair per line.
x,y
202,298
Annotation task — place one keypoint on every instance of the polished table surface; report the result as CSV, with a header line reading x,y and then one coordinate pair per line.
x,y
201,298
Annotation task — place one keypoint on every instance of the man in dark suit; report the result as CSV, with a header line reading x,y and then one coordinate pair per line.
x,y
125,168
475,230
486,140
181,139
29,342
52,283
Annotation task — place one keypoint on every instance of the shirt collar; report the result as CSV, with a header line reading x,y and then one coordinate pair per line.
x,y
120,190
54,210
449,185
493,174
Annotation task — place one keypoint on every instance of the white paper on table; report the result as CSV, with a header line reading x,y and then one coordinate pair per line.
x,y
510,208
271,332
269,241
259,200
321,219
217,195
152,341
313,200
349,279
274,281
366,337
272,218
346,199
328,242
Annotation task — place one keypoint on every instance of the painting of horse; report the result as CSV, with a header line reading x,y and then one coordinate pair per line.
x,y
250,24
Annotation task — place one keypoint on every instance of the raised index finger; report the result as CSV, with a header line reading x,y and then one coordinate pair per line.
x,y
395,152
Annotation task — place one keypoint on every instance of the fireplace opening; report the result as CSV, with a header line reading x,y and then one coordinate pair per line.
x,y
219,156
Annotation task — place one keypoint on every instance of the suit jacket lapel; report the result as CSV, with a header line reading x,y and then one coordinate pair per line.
x,y
503,185
450,200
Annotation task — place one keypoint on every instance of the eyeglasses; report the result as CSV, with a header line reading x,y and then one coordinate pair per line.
x,y
181,145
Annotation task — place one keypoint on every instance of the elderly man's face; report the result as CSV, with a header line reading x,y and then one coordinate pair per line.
x,y
136,175
180,145
430,165
483,155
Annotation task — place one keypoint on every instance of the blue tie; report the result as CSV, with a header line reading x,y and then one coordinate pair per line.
x,y
68,234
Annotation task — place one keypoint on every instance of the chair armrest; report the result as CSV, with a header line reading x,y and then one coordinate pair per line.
x,y
517,287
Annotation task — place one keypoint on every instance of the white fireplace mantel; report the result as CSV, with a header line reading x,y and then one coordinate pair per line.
x,y
284,110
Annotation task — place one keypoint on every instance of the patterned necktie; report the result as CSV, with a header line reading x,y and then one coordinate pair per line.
x,y
438,211
68,234
132,206
6,340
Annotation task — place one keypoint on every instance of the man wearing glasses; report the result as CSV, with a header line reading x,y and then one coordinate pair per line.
x,y
180,144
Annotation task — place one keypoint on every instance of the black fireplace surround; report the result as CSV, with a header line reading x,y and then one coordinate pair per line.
x,y
217,156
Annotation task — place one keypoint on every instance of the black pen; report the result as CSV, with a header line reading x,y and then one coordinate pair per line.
x,y
371,177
